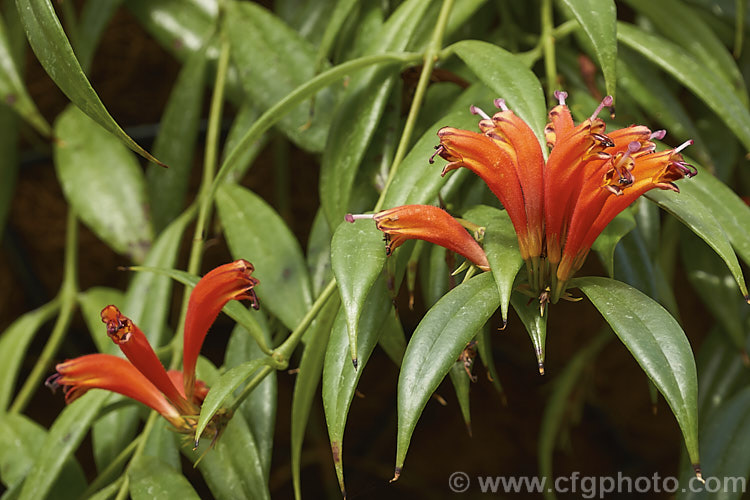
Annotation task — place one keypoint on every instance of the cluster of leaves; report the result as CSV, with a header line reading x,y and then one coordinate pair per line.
x,y
328,76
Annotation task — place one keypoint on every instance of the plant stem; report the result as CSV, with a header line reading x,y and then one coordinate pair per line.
x,y
112,467
548,42
67,298
430,57
143,438
205,201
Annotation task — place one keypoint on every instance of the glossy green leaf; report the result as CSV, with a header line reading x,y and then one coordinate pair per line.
x,y
256,232
20,441
306,384
462,385
107,445
699,218
14,342
657,343
673,59
54,52
12,90
687,28
714,284
435,345
259,409
246,116
598,20
175,143
392,339
95,16
605,244
357,115
103,182
724,441
272,60
232,469
357,259
66,433
164,444
148,295
557,406
501,246
233,309
92,301
151,478
223,390
339,376
510,78
534,322
721,373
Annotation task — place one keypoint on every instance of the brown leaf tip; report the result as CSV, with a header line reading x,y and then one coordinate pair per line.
x,y
396,474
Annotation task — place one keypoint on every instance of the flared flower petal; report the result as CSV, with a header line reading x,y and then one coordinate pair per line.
x,y
233,281
111,373
428,223
134,344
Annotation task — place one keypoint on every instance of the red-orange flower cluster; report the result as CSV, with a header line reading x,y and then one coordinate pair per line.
x,y
176,395
558,207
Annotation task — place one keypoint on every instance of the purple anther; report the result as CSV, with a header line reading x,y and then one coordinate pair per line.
x,y
353,217
561,95
500,104
634,147
682,146
607,101
477,111
687,169
657,135
438,150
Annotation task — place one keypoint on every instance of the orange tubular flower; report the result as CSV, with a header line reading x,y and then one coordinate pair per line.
x,y
428,223
142,377
557,208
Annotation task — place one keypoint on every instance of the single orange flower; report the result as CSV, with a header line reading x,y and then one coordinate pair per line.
x,y
176,395
428,223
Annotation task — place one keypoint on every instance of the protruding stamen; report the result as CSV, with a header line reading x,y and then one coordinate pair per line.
x,y
687,169
478,111
500,104
682,146
657,135
438,150
607,101
353,217
561,95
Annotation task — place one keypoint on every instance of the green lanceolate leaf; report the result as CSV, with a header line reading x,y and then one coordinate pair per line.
x,y
256,232
484,349
501,246
103,182
657,342
357,259
699,218
12,90
598,20
605,244
54,52
175,143
713,90
13,344
308,377
534,322
272,60
319,253
358,114
462,385
510,78
223,390
339,376
435,345
61,442
150,478
721,373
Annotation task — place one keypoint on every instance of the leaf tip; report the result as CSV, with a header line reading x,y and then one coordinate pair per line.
x,y
355,363
698,474
505,324
396,474
541,368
